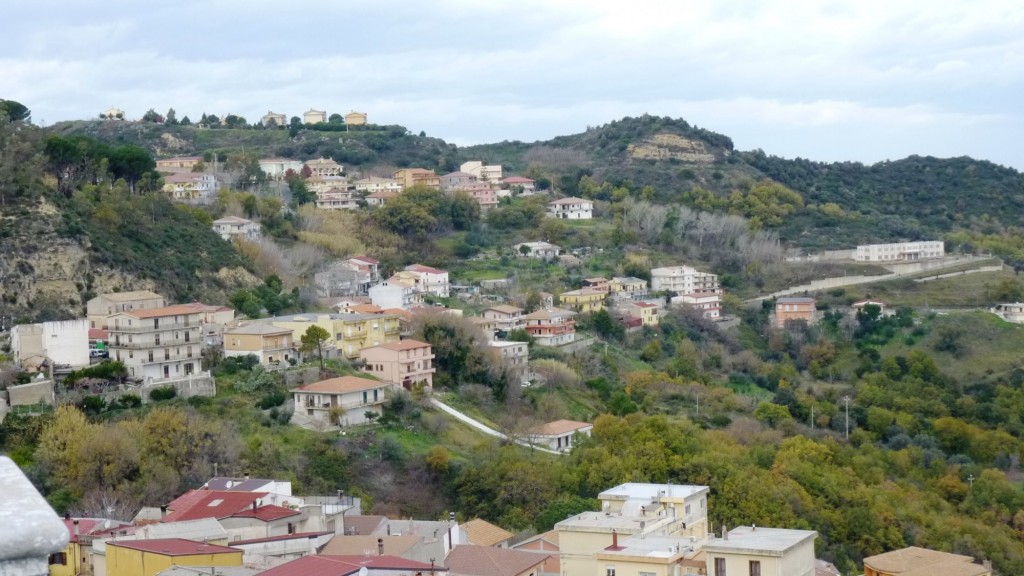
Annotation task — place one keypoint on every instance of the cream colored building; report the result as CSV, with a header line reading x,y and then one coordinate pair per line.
x,y
761,551
645,311
404,363
275,118
324,167
230,227
101,307
372,184
178,164
271,344
559,435
158,343
505,317
551,326
408,177
314,116
354,118
337,199
277,168
344,401
699,290
900,251
584,300
627,287
484,173
60,342
185,186
350,333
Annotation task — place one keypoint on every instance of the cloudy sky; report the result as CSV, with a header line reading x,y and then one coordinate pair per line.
x,y
862,80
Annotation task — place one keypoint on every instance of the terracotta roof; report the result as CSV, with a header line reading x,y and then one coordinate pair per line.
x,y
342,385
98,334
506,309
422,268
173,547
551,537
395,545
367,309
218,504
409,344
366,259
267,513
488,561
86,526
517,180
282,537
483,533
258,328
326,565
133,295
363,524
559,427
915,561
175,310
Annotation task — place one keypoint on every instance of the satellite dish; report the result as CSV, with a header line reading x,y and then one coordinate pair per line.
x,y
363,571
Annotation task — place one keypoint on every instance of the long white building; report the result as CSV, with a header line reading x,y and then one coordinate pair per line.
x,y
690,286
900,251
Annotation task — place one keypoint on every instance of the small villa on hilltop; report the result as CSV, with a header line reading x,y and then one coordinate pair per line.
x,y
571,209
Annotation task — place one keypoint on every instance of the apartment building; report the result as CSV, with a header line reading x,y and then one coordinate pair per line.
x,y
405,363
900,251
158,343
101,307
409,177
584,300
271,344
625,287
350,333
324,168
277,168
691,287
551,326
429,280
483,172
571,209
505,317
373,184
512,355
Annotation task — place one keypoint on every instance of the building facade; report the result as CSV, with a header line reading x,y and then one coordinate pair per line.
x,y
551,326
406,363
231,227
271,344
795,308
159,343
761,551
900,251
340,401
571,209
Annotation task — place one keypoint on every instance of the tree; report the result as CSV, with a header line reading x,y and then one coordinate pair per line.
x,y
131,162
152,116
335,119
185,121
14,111
314,340
172,118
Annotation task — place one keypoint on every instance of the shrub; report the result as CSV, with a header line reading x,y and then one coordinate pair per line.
x,y
93,404
129,401
275,398
163,393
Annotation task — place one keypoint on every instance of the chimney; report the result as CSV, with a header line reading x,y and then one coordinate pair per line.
x,y
725,532
380,546
76,526
615,539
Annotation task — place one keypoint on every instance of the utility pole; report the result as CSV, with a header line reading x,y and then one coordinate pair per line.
x,y
970,479
846,400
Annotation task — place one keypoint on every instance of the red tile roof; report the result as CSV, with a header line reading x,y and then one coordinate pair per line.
x,y
85,526
98,334
342,385
325,565
517,180
218,504
488,561
422,268
173,547
282,537
266,513
366,259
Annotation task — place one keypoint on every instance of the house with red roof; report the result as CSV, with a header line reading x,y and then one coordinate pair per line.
x,y
150,557
342,401
329,565
430,280
524,186
244,515
469,560
559,435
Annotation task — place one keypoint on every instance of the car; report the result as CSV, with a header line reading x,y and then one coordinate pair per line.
x,y
99,353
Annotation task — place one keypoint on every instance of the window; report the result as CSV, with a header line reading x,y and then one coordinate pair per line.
x,y
719,566
609,571
755,568
687,509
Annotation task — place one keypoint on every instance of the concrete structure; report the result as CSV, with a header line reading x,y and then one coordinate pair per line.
x,y
914,561
571,209
551,326
545,544
373,184
190,186
350,333
646,312
1011,312
456,180
31,533
230,227
340,401
35,393
762,552
482,192
178,164
271,344
324,167
409,177
514,355
505,317
390,294
526,186
584,300
57,343
699,290
625,287
405,363
277,168
112,114
274,119
430,280
312,116
101,307
794,308
158,343
542,250
149,557
337,199
900,251
559,435
354,118
662,515
484,173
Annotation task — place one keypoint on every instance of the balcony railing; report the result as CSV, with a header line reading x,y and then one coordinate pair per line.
x,y
154,345
148,327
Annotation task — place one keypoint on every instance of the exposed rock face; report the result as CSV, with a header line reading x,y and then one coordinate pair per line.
x,y
665,146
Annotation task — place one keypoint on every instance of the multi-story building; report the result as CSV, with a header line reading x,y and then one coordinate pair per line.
x,y
373,184
340,401
62,343
551,326
756,550
512,355
354,118
312,116
395,294
271,344
350,333
689,286
409,177
277,168
274,119
571,209
101,307
178,164
158,343
482,192
189,186
795,308
485,173
230,227
505,317
627,287
337,199
406,363
900,251
324,167
430,280
456,180
646,312
584,300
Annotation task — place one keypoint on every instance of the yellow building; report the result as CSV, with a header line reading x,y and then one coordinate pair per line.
x,y
272,344
74,559
149,557
350,333
628,286
412,176
754,550
355,118
645,311
583,300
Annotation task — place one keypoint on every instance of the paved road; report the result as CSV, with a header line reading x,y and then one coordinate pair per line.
x,y
484,428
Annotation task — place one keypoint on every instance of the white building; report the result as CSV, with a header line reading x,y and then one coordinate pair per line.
x,y
1012,312
485,173
559,435
277,168
691,287
234,227
757,550
62,342
185,186
551,326
541,250
375,184
389,294
430,280
276,118
514,355
900,251
337,199
571,209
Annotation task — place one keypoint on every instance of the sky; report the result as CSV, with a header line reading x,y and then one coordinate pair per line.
x,y
863,80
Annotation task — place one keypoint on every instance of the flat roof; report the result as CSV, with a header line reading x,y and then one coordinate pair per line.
x,y
645,491
765,541
607,522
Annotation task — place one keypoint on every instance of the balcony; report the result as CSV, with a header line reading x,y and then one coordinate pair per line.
x,y
148,327
154,345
